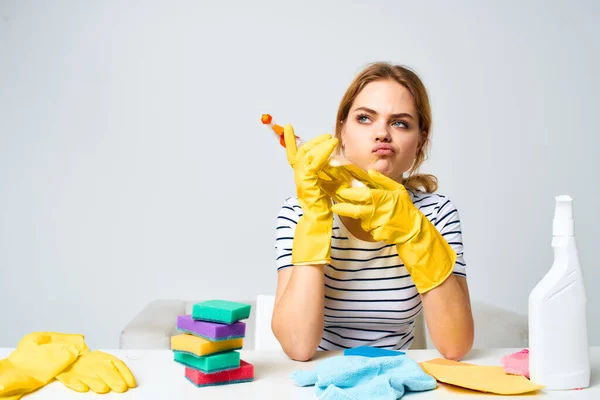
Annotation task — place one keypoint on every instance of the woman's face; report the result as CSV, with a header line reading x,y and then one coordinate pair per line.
x,y
382,129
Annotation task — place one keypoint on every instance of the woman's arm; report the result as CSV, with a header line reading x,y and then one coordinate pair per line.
x,y
449,319
298,315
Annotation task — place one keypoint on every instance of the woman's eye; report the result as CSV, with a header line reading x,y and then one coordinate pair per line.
x,y
362,118
400,124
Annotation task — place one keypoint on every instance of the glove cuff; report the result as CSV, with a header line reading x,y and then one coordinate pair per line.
x,y
312,239
428,257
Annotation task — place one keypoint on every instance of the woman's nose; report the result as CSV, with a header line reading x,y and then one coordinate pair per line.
x,y
382,134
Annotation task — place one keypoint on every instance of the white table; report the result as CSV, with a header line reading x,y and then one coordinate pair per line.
x,y
159,377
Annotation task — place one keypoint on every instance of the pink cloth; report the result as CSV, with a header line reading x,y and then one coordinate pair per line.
x,y
517,363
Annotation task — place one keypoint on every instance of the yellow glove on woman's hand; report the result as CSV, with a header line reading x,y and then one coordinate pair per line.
x,y
101,372
312,240
389,215
38,358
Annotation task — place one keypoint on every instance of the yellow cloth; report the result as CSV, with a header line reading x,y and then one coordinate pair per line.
x,y
389,215
38,358
312,239
201,347
99,371
489,379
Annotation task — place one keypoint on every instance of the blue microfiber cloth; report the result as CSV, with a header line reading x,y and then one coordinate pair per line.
x,y
357,378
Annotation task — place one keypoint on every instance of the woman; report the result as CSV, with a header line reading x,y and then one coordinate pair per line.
x,y
359,271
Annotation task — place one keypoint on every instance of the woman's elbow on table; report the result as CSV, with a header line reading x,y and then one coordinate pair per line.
x,y
304,353
295,348
456,351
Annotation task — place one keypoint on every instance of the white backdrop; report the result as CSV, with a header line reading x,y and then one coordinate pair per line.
x,y
133,165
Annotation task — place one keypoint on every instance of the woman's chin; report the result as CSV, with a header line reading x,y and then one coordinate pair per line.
x,y
386,168
382,166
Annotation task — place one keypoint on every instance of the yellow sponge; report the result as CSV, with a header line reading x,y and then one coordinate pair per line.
x,y
200,347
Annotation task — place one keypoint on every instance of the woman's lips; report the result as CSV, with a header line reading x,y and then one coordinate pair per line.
x,y
383,150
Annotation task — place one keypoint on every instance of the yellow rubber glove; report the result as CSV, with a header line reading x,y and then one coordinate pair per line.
x,y
312,240
99,371
36,339
38,358
13,380
389,215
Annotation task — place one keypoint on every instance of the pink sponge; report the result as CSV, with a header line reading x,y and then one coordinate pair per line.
x,y
517,363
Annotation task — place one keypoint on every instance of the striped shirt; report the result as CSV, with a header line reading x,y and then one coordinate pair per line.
x,y
370,298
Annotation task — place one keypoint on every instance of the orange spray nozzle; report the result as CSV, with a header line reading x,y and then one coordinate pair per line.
x,y
267,119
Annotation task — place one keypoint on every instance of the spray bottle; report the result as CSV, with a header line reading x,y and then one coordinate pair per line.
x,y
338,173
558,340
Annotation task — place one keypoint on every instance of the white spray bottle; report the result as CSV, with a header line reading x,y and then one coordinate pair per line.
x,y
558,340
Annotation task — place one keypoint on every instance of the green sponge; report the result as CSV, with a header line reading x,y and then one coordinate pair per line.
x,y
221,311
211,363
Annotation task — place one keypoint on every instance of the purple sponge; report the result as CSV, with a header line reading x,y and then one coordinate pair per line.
x,y
210,330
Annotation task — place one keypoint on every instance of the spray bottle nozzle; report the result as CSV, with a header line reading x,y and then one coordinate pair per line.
x,y
564,207
563,224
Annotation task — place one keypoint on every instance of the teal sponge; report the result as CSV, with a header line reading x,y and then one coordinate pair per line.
x,y
221,311
211,363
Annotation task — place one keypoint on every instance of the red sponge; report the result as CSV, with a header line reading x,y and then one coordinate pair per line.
x,y
245,373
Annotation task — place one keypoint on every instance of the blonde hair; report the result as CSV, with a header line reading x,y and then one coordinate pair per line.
x,y
407,78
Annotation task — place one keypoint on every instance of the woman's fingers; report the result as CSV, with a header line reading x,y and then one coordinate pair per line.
x,y
383,180
356,211
320,153
305,148
290,144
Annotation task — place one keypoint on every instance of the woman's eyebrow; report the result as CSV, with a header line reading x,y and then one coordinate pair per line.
x,y
371,111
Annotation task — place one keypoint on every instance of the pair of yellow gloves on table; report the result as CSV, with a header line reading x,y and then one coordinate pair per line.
x,y
387,214
41,357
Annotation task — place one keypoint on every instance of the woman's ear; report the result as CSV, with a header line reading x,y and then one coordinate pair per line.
x,y
422,140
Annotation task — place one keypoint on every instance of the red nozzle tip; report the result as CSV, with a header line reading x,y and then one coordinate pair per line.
x,y
266,119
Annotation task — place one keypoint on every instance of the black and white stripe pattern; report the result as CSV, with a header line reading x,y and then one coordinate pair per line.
x,y
370,299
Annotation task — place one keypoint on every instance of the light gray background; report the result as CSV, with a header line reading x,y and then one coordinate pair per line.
x,y
133,165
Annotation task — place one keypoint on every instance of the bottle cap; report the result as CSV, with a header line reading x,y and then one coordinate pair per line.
x,y
563,223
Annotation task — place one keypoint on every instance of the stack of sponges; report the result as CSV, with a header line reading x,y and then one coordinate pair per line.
x,y
208,343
